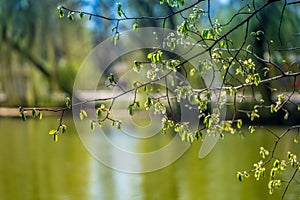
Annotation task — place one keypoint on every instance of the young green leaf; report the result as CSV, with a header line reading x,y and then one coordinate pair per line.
x,y
63,128
81,15
70,15
120,11
135,84
257,79
33,113
251,129
131,109
286,116
119,126
192,72
239,176
40,116
137,104
137,66
207,121
68,102
222,44
55,137
296,141
148,103
198,135
60,11
158,55
135,26
112,78
92,125
239,124
99,113
52,132
150,56
23,116
82,114
146,89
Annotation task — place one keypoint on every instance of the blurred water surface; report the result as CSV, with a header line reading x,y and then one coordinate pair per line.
x,y
34,167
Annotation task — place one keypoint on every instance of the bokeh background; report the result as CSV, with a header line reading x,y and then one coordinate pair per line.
x,y
40,54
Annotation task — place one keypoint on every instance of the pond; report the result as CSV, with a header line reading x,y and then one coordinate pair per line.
x,y
34,167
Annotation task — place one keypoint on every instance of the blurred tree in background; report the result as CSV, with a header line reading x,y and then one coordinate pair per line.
x,y
39,53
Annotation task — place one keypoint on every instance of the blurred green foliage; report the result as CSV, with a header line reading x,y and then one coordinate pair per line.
x,y
39,52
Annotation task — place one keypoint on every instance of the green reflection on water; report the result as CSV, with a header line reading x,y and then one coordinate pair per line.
x,y
33,167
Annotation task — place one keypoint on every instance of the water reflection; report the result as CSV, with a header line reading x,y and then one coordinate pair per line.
x,y
33,167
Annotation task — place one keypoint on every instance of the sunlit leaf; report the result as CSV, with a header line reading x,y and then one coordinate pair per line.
x,y
222,44
70,15
33,113
192,72
251,129
40,116
207,121
146,89
55,137
60,11
257,79
82,114
134,26
68,102
99,113
52,132
296,141
112,78
150,56
120,11
137,66
198,135
158,55
239,123
131,110
63,128
148,103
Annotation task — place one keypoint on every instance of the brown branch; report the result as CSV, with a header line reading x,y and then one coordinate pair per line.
x,y
280,22
125,18
251,83
295,2
289,182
